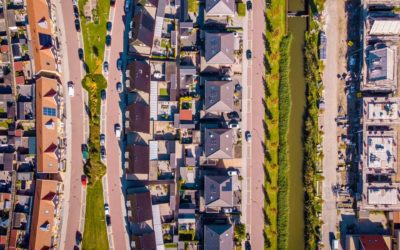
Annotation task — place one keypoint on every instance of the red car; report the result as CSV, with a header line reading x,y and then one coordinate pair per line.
x,y
84,180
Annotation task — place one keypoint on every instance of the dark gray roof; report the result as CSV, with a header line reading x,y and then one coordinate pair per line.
x,y
138,159
218,191
219,96
140,204
218,143
145,242
220,7
143,28
219,48
218,237
139,117
138,75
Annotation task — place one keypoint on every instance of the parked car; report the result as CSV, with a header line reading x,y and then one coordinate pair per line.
x,y
75,2
247,245
80,54
84,180
103,152
117,130
102,139
103,94
233,124
119,64
78,238
233,172
127,5
106,209
108,40
233,115
85,151
247,135
108,220
109,26
71,91
76,11
119,87
227,210
77,25
112,2
248,54
105,66
249,5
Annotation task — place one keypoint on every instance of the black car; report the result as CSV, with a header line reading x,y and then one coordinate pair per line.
x,y
105,66
103,94
77,25
80,53
112,2
78,238
84,148
247,245
108,40
249,5
109,26
233,115
108,220
119,64
76,11
248,54
103,152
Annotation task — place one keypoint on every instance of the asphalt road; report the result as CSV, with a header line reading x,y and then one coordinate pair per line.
x,y
256,168
75,129
114,193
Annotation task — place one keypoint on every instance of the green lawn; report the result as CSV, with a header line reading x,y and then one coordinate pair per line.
x,y
94,35
95,233
275,31
193,6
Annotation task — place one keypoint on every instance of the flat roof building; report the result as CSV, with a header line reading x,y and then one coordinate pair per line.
x,y
380,111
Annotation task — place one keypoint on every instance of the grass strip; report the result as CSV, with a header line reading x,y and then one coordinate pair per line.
x,y
312,138
275,20
283,152
95,233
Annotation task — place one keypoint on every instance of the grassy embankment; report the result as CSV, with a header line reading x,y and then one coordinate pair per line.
x,y
94,33
312,135
277,102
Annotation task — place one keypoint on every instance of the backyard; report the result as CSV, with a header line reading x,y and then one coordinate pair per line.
x,y
94,33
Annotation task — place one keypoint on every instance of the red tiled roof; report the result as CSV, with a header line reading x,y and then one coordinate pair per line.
x,y
4,48
185,115
373,242
3,239
20,80
18,66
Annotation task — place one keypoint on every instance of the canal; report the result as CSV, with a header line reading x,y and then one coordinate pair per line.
x,y
297,27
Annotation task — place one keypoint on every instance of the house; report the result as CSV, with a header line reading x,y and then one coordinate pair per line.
x,y
41,38
144,242
46,202
219,48
142,33
140,216
138,76
219,96
220,7
218,237
47,122
138,118
368,242
218,143
218,192
137,163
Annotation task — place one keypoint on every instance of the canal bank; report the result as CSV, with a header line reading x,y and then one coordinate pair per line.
x,y
297,27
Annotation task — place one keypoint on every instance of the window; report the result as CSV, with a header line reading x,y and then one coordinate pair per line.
x,y
49,111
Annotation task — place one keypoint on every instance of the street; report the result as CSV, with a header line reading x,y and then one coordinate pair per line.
x,y
73,209
114,191
255,121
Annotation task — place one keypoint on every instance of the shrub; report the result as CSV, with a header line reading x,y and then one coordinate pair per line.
x,y
241,9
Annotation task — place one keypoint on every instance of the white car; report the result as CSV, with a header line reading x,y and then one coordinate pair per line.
x,y
71,91
232,172
106,209
248,136
117,130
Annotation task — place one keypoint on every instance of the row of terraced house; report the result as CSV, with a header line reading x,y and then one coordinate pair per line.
x,y
182,124
32,148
